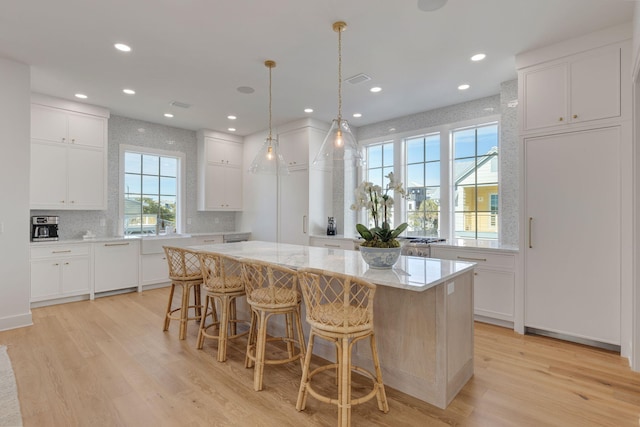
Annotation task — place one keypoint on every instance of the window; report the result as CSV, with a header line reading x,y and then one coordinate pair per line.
x,y
379,164
150,202
423,185
475,182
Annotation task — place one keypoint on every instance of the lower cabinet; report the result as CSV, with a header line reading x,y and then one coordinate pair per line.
x,y
153,269
60,271
494,281
116,265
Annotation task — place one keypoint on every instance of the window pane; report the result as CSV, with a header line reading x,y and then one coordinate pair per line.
x,y
433,147
415,175
485,170
415,150
150,165
433,174
465,225
132,184
464,171
150,184
387,155
433,194
385,172
464,143
168,166
465,198
374,156
487,139
375,176
132,162
487,227
168,186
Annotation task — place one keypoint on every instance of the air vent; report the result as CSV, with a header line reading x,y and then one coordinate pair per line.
x,y
179,104
358,78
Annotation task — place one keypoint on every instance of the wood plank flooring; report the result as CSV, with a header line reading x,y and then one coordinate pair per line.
x,y
108,363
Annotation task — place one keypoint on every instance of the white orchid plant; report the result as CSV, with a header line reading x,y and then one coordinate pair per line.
x,y
379,203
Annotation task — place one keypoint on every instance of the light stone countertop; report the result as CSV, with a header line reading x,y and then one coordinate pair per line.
x,y
137,237
411,273
478,244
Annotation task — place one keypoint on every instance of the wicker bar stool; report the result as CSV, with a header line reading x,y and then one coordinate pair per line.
x,y
222,281
339,309
184,271
271,290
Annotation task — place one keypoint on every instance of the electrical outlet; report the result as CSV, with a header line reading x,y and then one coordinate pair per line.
x,y
451,287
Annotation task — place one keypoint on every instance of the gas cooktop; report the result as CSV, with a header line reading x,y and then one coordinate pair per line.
x,y
424,240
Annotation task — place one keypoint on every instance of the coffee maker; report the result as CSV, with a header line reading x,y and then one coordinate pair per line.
x,y
44,228
331,227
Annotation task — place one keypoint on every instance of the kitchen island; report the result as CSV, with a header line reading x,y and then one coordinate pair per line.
x,y
423,314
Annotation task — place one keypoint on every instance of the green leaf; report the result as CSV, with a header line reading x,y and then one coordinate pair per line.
x,y
399,230
364,232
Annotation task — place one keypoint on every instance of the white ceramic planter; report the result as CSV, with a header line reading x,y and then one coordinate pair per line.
x,y
380,257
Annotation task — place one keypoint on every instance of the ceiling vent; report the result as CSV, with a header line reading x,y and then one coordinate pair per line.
x,y
358,78
179,104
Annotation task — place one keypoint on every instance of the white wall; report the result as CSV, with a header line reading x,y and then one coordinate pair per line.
x,y
15,87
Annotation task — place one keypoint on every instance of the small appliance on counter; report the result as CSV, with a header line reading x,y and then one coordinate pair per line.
x,y
44,228
331,227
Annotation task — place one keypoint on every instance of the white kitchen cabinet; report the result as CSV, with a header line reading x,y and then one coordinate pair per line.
x,y
209,239
115,265
573,234
294,208
219,172
494,281
331,242
294,146
577,89
59,271
68,159
153,269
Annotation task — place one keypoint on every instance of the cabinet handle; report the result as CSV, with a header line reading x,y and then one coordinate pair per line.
x,y
464,258
64,139
73,140
575,116
117,244
61,252
56,263
209,240
530,243
561,119
332,246
66,263
73,201
304,221
61,201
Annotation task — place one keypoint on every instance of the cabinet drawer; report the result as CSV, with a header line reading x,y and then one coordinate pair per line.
x,y
482,258
59,251
331,243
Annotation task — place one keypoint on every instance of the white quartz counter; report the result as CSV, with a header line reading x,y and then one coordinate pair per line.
x,y
411,273
492,245
137,237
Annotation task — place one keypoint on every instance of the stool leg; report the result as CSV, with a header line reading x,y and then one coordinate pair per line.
x,y
197,300
251,340
184,312
289,327
383,405
224,329
260,351
298,321
167,319
304,380
233,316
344,398
203,320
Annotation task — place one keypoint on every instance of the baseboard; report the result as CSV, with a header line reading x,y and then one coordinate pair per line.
x,y
14,322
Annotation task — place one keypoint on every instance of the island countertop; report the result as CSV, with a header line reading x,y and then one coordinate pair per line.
x,y
410,273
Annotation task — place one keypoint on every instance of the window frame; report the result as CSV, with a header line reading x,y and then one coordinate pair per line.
x,y
446,169
180,176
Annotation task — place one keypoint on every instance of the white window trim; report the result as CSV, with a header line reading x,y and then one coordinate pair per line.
x,y
446,181
180,212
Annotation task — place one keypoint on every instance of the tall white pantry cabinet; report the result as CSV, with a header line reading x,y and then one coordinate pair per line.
x,y
574,116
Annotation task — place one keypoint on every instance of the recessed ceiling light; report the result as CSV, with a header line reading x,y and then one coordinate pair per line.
x,y
464,87
231,117
81,96
231,129
129,91
375,89
168,115
308,110
357,115
478,57
122,47
245,89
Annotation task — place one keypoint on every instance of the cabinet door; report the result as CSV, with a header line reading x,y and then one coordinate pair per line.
x,y
572,245
75,275
545,97
154,269
233,188
294,208
115,266
214,192
294,146
494,293
86,179
223,152
45,278
48,124
86,130
595,86
48,182
234,153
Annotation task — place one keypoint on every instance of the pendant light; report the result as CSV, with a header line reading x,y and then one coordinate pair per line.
x,y
269,160
339,146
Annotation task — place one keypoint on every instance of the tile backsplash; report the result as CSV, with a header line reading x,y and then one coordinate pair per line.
x,y
122,130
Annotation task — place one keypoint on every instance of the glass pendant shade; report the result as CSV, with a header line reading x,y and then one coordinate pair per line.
x,y
269,160
339,148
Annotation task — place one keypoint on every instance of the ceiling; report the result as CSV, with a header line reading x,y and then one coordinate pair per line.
x,y
199,52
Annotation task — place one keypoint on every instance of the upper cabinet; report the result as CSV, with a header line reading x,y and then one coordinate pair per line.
x,y
68,155
219,171
574,90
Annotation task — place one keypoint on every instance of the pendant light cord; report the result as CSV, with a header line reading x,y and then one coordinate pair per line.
x,y
270,64
340,75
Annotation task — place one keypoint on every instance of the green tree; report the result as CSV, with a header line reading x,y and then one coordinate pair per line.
x,y
425,218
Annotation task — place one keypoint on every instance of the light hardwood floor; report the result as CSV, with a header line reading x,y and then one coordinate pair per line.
x,y
108,363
